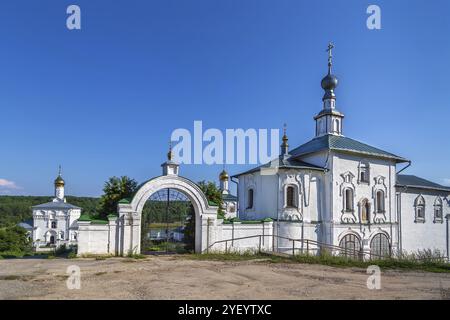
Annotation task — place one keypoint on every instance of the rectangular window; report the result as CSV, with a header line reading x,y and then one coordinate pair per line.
x,y
250,199
290,201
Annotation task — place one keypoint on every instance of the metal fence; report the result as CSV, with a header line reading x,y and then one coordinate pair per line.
x,y
298,246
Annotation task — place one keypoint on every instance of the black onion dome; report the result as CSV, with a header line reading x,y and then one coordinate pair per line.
x,y
330,82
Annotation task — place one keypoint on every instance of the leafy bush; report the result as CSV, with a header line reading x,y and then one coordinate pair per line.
x,y
11,254
14,239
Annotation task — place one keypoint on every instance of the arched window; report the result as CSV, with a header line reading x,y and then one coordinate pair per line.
x,y
348,199
53,224
379,246
336,126
351,246
250,199
290,197
419,205
438,210
365,211
380,201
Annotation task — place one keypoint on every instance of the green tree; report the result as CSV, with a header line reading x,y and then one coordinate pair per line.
x,y
14,239
115,189
212,193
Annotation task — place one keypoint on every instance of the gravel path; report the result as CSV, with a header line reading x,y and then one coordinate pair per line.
x,y
172,277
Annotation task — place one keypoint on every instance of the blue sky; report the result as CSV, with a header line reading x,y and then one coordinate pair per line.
x,y
103,100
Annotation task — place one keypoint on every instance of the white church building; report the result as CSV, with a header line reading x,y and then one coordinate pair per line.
x,y
55,222
331,193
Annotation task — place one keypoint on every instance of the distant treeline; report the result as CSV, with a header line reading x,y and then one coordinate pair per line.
x,y
15,209
158,211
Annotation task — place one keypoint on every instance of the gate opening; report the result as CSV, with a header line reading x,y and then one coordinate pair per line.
x,y
168,223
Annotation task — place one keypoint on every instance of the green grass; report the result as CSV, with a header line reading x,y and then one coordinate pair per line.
x,y
329,260
233,256
388,263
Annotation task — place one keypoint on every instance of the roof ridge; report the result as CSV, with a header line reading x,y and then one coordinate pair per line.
x,y
342,143
411,180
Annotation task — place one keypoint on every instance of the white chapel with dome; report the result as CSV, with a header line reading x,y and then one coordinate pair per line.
x,y
331,193
55,222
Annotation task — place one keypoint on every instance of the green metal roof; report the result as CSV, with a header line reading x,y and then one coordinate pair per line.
x,y
404,180
283,163
84,217
340,143
229,197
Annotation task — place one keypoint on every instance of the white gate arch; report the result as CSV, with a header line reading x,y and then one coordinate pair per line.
x,y
130,214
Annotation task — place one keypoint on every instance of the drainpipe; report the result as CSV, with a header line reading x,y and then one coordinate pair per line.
x,y
409,163
238,209
278,210
399,209
390,202
398,199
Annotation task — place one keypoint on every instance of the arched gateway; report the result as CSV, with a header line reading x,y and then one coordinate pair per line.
x,y
121,234
130,214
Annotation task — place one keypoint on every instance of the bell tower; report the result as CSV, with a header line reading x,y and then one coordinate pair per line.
x,y
329,119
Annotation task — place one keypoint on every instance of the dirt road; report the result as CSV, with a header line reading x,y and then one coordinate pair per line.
x,y
172,277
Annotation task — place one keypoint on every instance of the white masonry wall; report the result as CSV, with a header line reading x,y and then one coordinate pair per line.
x,y
97,238
260,237
423,235
382,175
